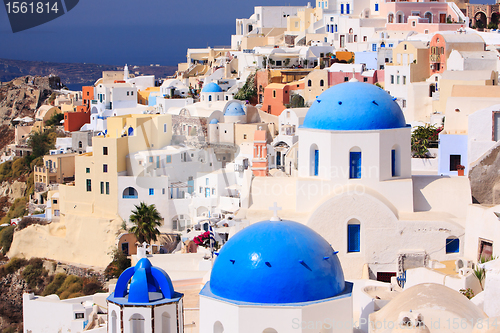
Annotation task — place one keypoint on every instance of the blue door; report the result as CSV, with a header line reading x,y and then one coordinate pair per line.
x,y
316,162
355,165
130,131
353,237
341,8
393,162
190,186
347,8
207,192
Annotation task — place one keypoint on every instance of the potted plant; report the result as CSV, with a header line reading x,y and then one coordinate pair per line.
x,y
460,170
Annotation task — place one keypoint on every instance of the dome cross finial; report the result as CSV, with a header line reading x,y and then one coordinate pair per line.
x,y
275,209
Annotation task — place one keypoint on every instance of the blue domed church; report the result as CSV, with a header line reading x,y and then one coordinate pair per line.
x,y
276,276
354,186
144,300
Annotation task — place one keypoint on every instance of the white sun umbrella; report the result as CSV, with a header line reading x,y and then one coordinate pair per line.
x,y
28,119
17,119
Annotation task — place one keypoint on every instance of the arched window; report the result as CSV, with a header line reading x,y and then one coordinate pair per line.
x,y
80,144
165,323
309,83
390,18
130,193
395,161
314,160
353,236
452,244
209,98
218,327
217,97
428,15
113,328
130,131
137,323
321,83
355,163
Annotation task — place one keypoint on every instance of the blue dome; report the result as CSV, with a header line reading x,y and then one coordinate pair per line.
x,y
277,262
354,106
148,284
234,109
211,88
214,121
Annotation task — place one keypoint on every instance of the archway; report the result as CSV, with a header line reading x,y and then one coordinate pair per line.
x,y
218,327
400,17
390,18
428,15
130,193
480,18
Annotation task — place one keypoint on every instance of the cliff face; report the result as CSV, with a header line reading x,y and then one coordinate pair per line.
x,y
485,178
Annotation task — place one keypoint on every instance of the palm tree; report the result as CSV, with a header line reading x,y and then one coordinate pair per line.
x,y
146,219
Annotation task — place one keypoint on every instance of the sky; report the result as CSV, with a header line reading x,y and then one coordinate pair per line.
x,y
136,32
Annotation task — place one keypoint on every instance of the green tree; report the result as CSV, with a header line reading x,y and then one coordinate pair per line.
x,y
55,119
146,220
41,143
248,90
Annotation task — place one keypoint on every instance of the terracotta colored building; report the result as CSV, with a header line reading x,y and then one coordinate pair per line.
x,y
73,121
277,96
87,96
259,162
441,46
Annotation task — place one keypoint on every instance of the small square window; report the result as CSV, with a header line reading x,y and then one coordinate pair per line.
x,y
169,158
151,191
346,79
104,168
87,170
79,315
365,79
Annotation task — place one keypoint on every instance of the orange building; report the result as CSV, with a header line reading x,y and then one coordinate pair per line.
x,y
73,121
441,46
277,96
259,162
87,96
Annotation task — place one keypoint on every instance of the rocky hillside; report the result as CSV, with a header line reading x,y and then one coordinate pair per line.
x,y
43,277
73,73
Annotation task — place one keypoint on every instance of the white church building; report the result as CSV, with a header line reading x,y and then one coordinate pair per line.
x,y
355,188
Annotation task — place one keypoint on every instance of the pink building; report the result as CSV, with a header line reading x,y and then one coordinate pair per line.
x,y
339,73
422,16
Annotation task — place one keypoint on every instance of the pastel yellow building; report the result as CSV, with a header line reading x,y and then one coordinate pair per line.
x,y
416,55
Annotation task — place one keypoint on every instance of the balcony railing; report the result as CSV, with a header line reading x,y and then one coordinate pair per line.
x,y
130,197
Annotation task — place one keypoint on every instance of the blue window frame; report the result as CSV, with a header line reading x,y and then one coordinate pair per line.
x,y
327,28
393,162
353,237
376,7
169,158
391,45
151,191
347,8
452,245
355,165
374,47
316,162
335,28
157,161
341,8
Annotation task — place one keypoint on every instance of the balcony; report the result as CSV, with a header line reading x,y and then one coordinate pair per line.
x,y
130,197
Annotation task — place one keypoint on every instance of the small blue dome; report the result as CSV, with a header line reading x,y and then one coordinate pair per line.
x,y
234,109
354,106
147,284
211,88
277,262
214,121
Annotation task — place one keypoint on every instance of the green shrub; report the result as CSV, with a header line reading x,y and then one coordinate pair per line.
x,y
6,236
12,266
120,263
18,209
55,119
54,286
34,273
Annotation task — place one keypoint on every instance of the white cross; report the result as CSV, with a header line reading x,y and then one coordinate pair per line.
x,y
275,209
